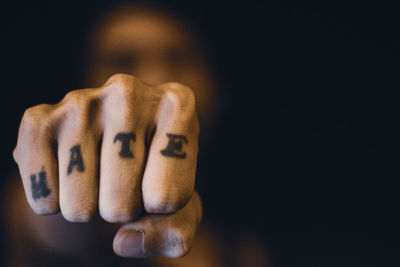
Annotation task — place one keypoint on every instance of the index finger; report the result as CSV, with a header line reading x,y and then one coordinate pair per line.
x,y
168,180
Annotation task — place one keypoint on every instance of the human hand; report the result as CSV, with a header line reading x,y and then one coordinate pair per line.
x,y
120,148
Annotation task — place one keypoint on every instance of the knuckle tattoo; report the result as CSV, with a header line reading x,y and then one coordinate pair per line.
x,y
174,146
39,118
75,160
39,185
125,138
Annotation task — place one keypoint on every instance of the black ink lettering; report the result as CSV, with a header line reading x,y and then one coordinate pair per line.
x,y
174,147
39,187
125,149
75,159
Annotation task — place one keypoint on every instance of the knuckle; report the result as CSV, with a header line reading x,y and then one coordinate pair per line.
x,y
126,92
73,96
79,106
34,116
116,215
79,215
122,90
30,114
37,118
179,242
182,93
36,123
45,207
124,85
15,154
164,202
76,99
120,78
181,96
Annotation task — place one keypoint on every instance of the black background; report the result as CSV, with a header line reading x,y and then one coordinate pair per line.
x,y
307,153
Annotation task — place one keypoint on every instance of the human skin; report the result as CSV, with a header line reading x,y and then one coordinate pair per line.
x,y
71,159
157,48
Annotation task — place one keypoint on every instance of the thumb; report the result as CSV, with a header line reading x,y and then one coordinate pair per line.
x,y
170,235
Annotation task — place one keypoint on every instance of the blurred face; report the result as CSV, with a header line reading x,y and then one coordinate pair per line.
x,y
155,48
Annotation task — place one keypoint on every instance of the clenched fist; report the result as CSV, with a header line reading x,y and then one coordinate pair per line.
x,y
121,148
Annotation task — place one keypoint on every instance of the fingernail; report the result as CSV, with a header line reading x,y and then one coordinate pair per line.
x,y
129,243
